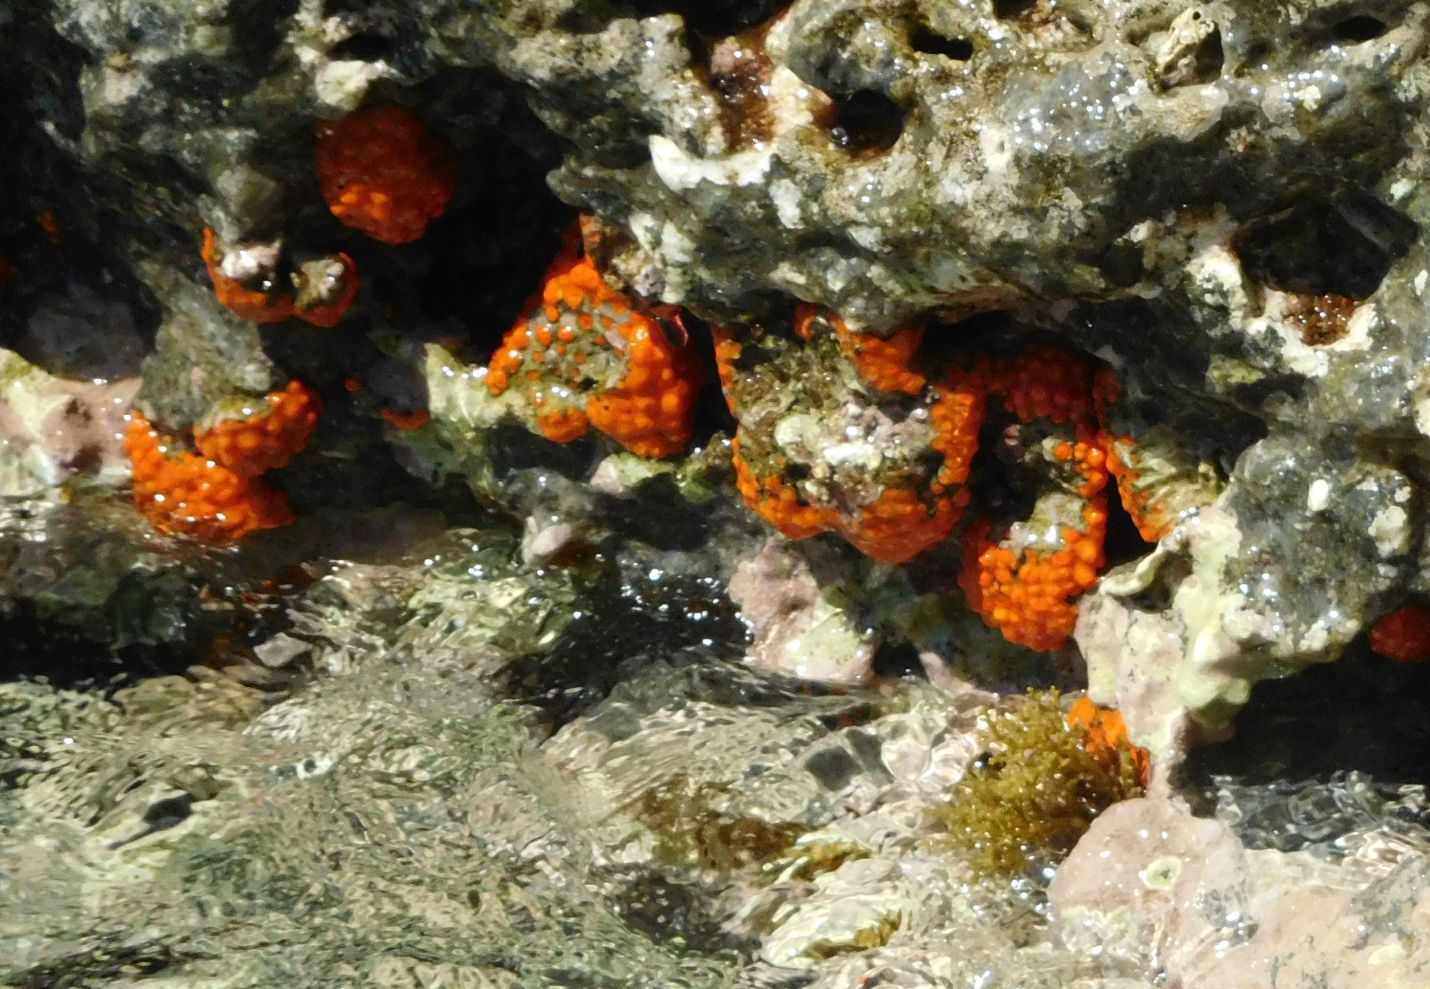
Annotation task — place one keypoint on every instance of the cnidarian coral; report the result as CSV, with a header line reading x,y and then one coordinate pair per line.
x,y
1404,634
259,295
187,494
1024,575
1158,481
261,435
250,280
840,432
582,355
1043,777
383,172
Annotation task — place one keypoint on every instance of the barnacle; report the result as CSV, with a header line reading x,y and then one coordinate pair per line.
x,y
1025,581
264,435
1404,634
184,493
583,356
1042,780
382,172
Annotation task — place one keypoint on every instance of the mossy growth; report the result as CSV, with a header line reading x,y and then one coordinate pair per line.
x,y
692,832
1035,790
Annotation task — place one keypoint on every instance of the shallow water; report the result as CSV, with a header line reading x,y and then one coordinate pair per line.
x,y
476,773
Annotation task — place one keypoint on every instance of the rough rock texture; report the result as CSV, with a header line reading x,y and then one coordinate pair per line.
x,y
1155,886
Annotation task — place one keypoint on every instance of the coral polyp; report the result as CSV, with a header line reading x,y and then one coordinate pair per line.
x,y
583,355
187,494
383,172
1404,634
264,435
267,301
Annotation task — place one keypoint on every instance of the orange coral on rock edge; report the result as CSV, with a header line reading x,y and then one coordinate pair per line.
x,y
1104,734
383,172
186,494
321,305
1404,634
262,441
1031,596
252,304
584,356
1026,590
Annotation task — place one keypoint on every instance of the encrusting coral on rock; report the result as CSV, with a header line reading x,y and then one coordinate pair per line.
x,y
217,494
383,172
187,494
583,355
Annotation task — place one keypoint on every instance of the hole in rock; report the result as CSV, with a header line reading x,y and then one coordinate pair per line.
x,y
1363,712
713,17
897,661
364,47
930,42
1012,9
1337,244
866,123
1359,28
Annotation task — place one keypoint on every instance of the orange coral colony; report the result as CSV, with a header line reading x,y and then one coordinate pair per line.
x,y
1104,734
258,305
259,441
326,289
909,505
186,494
1404,634
1025,582
383,172
583,356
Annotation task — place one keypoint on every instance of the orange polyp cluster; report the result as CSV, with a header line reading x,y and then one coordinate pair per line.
x,y
1030,598
584,357
957,416
1048,383
885,363
382,172
1029,594
250,303
264,440
777,502
187,494
1404,634
1150,498
329,312
891,523
1104,734
727,351
275,305
899,525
